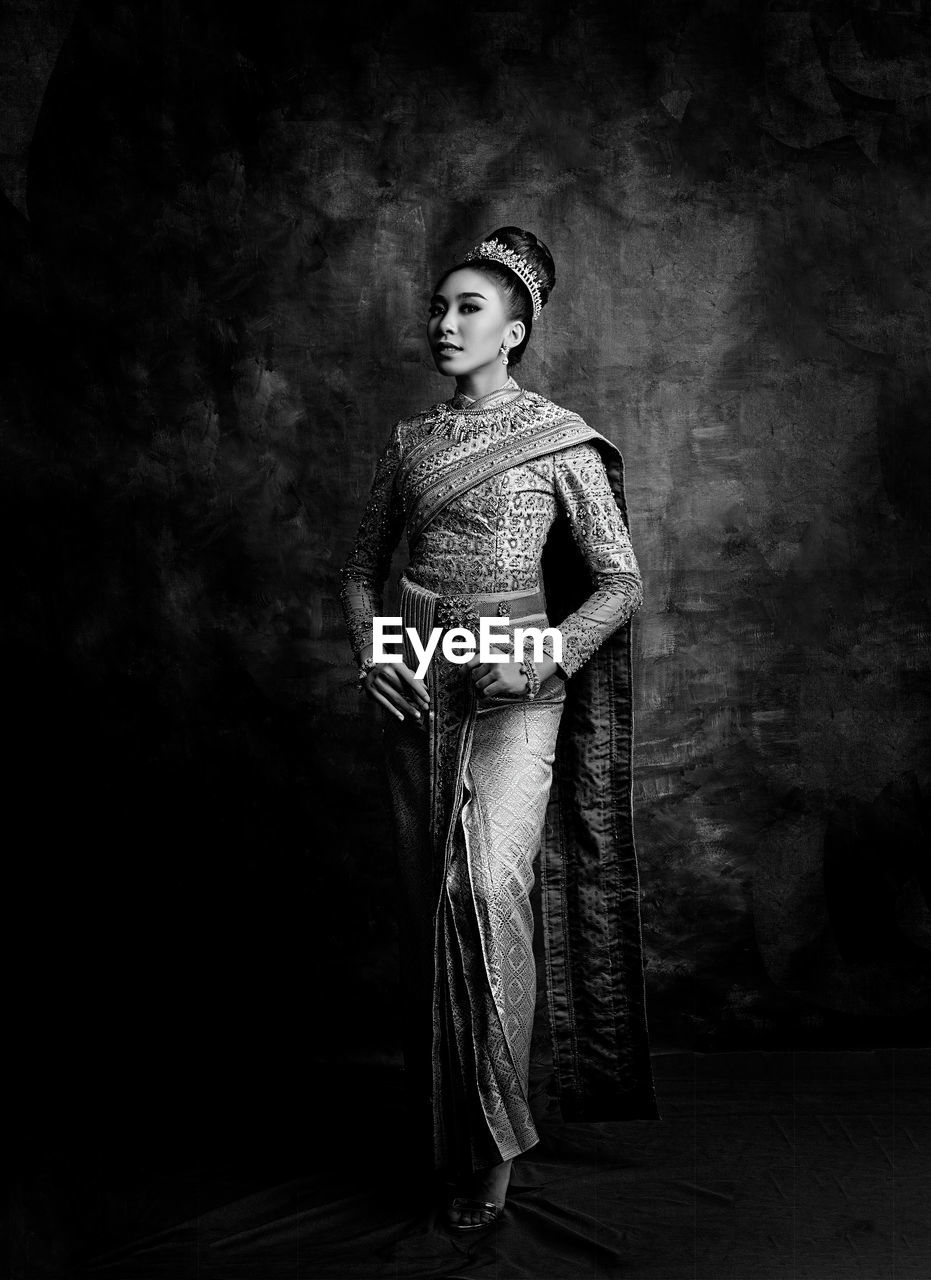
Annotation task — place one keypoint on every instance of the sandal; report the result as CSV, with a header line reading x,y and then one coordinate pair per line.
x,y
491,1213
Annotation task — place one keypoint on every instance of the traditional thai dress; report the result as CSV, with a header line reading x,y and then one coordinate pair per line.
x,y
513,507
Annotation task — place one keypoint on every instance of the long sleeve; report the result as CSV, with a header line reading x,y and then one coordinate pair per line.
x,y
364,574
601,535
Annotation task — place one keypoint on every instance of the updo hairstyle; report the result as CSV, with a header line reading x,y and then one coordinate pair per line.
x,y
516,295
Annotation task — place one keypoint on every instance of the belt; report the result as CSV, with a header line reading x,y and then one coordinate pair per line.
x,y
422,609
464,611
426,607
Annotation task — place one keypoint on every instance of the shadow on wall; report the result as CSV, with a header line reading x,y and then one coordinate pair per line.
x,y
842,909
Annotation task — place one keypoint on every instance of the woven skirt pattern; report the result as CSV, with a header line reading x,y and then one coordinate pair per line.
x,y
470,791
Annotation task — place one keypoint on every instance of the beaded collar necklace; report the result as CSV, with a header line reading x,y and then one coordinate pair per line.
x,y
462,403
462,417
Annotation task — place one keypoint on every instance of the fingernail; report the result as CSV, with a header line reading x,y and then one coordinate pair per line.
x,y
416,713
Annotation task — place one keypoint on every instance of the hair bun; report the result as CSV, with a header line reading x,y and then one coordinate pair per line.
x,y
534,252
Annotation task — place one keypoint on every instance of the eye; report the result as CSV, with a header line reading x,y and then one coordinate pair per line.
x,y
469,306
435,309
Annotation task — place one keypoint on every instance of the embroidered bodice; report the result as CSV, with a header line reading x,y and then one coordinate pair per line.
x,y
491,537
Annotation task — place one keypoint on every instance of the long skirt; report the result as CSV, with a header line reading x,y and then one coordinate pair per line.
x,y
470,793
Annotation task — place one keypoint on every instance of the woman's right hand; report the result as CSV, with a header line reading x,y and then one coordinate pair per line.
x,y
395,686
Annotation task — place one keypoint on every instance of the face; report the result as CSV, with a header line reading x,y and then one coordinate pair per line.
x,y
468,323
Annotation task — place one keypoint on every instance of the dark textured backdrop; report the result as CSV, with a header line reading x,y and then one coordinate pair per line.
x,y
221,226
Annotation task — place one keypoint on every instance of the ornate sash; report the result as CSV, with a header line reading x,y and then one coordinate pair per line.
x,y
466,465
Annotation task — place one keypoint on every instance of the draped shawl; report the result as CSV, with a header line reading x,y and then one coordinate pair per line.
x,y
589,875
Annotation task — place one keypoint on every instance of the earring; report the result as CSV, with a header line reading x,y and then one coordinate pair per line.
x,y
504,354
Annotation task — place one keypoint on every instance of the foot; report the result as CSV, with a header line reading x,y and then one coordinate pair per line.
x,y
483,1200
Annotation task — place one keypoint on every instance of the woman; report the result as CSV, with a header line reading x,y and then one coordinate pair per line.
x,y
513,508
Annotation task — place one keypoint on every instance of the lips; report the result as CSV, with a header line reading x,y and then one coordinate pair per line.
x,y
446,349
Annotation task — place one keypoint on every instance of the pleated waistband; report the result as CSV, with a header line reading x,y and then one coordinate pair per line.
x,y
418,610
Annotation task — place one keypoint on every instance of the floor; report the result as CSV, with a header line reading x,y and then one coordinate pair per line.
x,y
765,1166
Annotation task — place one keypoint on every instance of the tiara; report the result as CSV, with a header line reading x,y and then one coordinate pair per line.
x,y
511,259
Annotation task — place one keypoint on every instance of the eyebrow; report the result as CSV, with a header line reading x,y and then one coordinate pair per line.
x,y
438,297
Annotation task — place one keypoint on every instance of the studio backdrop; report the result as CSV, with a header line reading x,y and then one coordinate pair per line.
x,y
221,229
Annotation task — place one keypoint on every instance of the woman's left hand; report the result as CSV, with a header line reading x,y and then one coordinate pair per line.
x,y
498,679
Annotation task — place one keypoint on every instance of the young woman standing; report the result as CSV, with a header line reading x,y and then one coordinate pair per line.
x,y
513,508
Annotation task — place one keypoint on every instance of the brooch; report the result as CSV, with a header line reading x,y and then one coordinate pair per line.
x,y
456,611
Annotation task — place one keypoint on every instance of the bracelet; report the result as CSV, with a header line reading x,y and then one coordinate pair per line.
x,y
533,680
